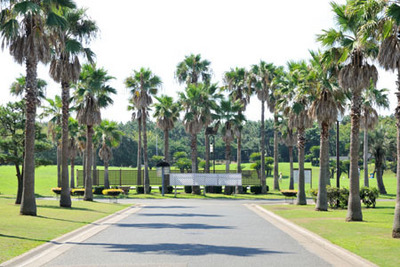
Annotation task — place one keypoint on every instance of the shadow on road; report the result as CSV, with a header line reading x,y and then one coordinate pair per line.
x,y
178,215
184,249
172,226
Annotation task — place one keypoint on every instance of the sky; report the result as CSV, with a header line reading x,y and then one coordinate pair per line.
x,y
158,34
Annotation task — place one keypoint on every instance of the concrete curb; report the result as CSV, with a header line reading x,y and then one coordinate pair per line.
x,y
50,250
333,254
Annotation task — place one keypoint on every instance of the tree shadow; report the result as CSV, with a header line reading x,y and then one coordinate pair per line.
x,y
178,215
28,238
182,226
65,220
168,207
71,208
184,249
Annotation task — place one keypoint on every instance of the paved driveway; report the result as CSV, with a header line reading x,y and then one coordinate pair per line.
x,y
181,232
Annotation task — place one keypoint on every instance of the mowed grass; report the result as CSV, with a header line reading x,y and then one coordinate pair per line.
x,y
46,178
19,234
370,239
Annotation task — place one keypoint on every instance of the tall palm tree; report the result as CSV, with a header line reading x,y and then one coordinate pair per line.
x,y
111,137
289,138
262,76
356,76
327,103
67,44
143,84
236,81
54,111
92,94
295,107
198,103
193,70
389,59
137,115
23,30
379,148
372,97
18,87
167,113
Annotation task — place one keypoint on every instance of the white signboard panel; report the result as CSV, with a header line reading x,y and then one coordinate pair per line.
x,y
307,176
206,179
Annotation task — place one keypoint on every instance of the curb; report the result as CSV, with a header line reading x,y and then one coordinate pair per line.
x,y
46,252
331,253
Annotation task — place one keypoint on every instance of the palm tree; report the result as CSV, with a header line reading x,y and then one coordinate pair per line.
x,y
389,59
54,110
236,81
262,76
143,84
73,128
111,137
92,94
295,107
167,113
65,69
379,148
326,105
23,28
370,98
18,87
198,103
356,76
193,69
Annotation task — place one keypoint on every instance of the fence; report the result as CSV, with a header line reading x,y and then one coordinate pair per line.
x,y
215,179
129,177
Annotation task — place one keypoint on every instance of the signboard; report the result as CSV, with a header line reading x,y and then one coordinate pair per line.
x,y
232,179
307,176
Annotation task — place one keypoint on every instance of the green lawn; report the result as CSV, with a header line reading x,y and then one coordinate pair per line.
x,y
19,234
370,239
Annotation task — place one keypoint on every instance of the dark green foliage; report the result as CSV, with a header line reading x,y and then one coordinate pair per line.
x,y
188,189
168,189
368,196
140,189
214,189
256,189
229,190
97,190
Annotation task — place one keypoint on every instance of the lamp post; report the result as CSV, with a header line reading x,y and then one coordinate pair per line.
x,y
339,119
163,168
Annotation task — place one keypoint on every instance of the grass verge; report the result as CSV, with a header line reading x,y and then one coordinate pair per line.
x,y
370,239
18,234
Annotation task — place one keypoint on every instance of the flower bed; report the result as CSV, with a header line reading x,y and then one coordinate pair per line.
x,y
112,192
289,193
56,190
78,191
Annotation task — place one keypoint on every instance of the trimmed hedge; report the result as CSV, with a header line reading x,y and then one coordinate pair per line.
x,y
214,189
98,190
140,189
257,189
112,192
168,189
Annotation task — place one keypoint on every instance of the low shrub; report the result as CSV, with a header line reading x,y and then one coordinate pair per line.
x,y
167,190
314,193
188,189
368,196
244,189
112,192
140,189
98,190
214,189
256,189
229,190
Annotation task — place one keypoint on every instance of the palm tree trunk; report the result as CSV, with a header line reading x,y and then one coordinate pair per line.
x,y
276,155
28,203
227,156
166,153
145,155
20,185
106,180
239,152
58,165
301,194
72,172
354,212
396,220
139,154
366,178
65,197
207,155
193,146
322,198
291,179
88,162
262,170
84,167
379,174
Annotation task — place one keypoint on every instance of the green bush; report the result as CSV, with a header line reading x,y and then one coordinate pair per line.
x,y
257,189
140,189
213,189
314,193
188,189
112,192
229,190
244,190
368,196
97,190
168,189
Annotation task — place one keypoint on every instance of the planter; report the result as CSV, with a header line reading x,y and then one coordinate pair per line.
x,y
112,192
289,193
78,192
56,190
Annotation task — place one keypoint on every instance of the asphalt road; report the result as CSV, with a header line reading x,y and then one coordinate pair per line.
x,y
181,232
